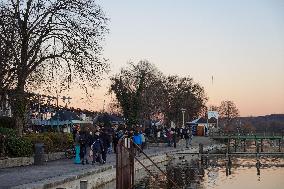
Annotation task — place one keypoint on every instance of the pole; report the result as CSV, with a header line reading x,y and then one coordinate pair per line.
x,y
183,111
83,184
183,118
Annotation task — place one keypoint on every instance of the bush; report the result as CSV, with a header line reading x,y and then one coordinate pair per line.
x,y
7,122
54,142
40,138
15,146
8,132
19,147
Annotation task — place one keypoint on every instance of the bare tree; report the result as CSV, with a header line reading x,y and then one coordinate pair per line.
x,y
51,37
228,111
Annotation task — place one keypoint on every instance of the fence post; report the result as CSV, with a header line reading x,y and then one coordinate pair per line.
x,y
257,148
83,184
201,152
228,145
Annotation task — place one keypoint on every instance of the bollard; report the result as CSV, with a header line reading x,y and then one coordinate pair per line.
x,y
83,184
39,154
261,145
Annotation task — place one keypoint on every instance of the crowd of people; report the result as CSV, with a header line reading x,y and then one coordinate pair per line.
x,y
92,146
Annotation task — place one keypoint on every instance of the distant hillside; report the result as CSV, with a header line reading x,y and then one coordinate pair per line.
x,y
273,122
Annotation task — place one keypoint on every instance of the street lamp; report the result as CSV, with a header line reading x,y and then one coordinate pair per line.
x,y
183,111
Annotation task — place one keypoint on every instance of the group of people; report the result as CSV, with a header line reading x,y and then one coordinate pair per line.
x,y
172,134
91,146
96,144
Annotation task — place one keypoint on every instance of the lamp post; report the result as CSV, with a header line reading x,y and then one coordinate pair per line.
x,y
183,111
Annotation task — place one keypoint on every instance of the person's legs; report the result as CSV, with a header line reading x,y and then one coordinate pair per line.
x,y
99,157
83,154
86,155
186,142
190,139
94,157
104,155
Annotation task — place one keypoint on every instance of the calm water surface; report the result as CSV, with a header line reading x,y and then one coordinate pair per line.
x,y
244,175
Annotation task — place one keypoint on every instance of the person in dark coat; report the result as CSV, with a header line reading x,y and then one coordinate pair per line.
x,y
187,135
97,148
106,141
83,141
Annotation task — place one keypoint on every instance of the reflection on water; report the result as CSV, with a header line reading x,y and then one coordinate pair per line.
x,y
244,174
220,173
241,173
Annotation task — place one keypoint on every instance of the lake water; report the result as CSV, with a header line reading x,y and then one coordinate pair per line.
x,y
244,175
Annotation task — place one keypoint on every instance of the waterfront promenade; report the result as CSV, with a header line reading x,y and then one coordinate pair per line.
x,y
57,172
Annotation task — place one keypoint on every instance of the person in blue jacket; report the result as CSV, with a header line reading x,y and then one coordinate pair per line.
x,y
137,139
77,147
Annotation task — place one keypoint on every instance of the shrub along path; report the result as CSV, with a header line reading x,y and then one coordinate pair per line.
x,y
12,177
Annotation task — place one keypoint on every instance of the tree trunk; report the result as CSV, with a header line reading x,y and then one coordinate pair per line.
x,y
19,106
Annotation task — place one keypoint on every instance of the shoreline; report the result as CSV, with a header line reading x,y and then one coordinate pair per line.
x,y
101,175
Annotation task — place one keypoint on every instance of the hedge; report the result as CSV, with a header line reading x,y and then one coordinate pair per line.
x,y
15,146
24,146
19,147
53,142
8,132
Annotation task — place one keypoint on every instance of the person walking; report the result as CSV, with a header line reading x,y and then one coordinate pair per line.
x,y
97,148
187,136
137,139
106,144
77,147
169,136
83,147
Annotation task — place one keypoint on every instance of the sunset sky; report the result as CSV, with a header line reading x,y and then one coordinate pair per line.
x,y
240,43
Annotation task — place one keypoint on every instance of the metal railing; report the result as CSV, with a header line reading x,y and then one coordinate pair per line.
x,y
130,147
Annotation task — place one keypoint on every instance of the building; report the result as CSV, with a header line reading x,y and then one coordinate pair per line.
x,y
202,127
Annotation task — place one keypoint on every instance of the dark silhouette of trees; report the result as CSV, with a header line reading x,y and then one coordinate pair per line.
x,y
183,92
41,38
143,92
131,89
228,111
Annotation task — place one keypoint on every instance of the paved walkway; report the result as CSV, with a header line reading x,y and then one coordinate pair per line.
x,y
12,177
